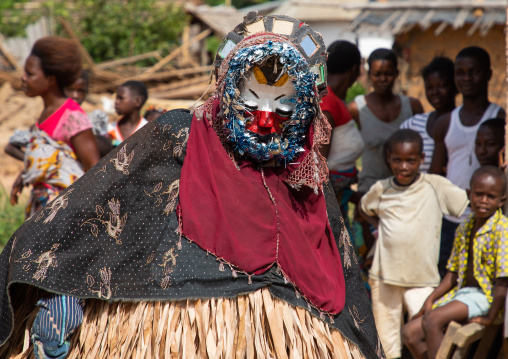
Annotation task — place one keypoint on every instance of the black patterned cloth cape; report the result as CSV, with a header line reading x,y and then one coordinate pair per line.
x,y
114,235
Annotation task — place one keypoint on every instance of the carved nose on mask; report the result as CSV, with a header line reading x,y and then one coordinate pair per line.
x,y
265,118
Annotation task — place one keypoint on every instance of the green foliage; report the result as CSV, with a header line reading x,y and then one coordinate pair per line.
x,y
212,44
13,19
10,217
355,90
108,29
112,29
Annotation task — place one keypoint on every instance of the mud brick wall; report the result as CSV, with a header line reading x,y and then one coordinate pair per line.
x,y
418,48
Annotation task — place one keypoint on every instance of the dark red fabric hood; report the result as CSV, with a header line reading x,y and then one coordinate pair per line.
x,y
251,219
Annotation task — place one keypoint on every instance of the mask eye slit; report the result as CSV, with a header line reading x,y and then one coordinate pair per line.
x,y
250,108
283,113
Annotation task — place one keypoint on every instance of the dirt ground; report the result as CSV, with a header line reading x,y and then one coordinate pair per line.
x,y
18,111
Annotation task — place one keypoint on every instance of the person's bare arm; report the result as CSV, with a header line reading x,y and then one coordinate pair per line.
x,y
14,151
499,297
86,148
440,155
17,187
416,105
353,110
449,281
325,149
373,220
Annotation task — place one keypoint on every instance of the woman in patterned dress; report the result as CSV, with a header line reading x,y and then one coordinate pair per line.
x,y
62,135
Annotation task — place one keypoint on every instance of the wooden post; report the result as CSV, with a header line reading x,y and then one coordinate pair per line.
x,y
187,60
10,58
177,52
72,34
128,60
185,39
112,84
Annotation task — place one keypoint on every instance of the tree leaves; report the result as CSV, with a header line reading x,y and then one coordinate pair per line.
x,y
118,28
109,29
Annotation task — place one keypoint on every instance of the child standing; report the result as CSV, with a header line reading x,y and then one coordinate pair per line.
x,y
130,98
490,142
407,208
489,147
440,91
78,91
474,289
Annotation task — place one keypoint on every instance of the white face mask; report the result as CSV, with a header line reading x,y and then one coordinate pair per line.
x,y
268,107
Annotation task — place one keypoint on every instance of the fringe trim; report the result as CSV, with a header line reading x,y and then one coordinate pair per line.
x,y
250,326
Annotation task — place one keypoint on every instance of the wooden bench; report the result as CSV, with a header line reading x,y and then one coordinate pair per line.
x,y
459,339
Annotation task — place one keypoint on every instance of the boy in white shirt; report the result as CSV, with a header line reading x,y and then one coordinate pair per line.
x,y
408,210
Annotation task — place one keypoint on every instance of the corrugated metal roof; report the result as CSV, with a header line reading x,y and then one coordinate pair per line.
x,y
427,4
263,8
398,16
221,19
321,10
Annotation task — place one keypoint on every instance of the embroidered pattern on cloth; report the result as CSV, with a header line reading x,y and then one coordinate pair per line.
x,y
168,263
345,241
356,316
182,137
104,291
123,160
121,273
44,261
171,191
114,225
59,203
167,142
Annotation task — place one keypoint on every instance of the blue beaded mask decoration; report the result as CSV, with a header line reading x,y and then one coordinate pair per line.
x,y
284,147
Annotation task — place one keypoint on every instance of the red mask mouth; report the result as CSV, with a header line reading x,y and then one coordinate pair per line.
x,y
265,122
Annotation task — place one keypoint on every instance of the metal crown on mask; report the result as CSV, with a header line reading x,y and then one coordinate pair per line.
x,y
261,58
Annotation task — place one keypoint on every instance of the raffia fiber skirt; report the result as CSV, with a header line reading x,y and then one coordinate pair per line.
x,y
255,325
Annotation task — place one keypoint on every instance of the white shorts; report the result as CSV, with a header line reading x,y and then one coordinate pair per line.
x,y
389,303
